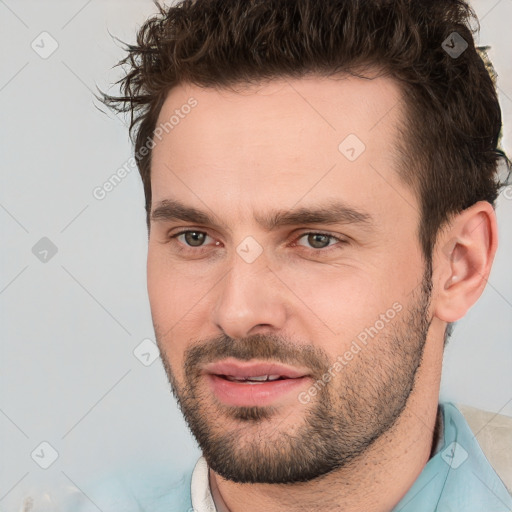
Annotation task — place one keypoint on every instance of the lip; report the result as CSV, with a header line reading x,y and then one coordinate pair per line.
x,y
239,369
256,394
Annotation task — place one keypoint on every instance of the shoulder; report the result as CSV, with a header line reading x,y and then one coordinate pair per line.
x,y
135,490
494,435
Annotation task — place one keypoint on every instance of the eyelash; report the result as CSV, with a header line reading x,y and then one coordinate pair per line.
x,y
317,251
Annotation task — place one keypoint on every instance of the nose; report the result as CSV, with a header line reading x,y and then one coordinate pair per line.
x,y
250,299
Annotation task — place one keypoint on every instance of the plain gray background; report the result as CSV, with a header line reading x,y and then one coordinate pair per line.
x,y
70,324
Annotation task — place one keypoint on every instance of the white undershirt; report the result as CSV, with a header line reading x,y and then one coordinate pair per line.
x,y
202,500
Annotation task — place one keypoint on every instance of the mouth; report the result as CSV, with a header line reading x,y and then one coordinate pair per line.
x,y
253,384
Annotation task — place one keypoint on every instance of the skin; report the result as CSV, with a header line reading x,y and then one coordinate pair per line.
x,y
241,154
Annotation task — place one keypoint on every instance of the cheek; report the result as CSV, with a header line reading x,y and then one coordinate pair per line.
x,y
335,304
167,298
171,288
161,287
332,302
177,301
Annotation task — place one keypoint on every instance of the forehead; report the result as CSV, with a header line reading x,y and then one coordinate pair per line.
x,y
331,107
280,141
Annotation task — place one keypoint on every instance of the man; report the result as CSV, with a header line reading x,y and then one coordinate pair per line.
x,y
320,180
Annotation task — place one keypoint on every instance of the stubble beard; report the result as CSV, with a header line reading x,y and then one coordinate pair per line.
x,y
354,409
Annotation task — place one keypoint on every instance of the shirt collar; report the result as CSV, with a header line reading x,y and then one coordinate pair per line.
x,y
202,500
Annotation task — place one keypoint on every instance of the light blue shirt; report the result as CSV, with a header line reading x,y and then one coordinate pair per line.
x,y
457,478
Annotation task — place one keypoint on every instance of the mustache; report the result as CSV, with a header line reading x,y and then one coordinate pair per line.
x,y
269,347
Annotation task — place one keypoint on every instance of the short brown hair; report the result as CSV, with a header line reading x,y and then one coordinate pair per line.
x,y
449,152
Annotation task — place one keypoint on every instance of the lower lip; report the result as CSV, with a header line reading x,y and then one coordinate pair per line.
x,y
243,394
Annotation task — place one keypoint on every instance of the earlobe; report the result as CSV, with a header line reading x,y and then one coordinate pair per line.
x,y
464,257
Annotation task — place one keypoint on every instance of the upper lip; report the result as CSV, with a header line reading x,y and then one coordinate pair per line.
x,y
239,369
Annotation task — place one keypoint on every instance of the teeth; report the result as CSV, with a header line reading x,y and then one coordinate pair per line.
x,y
258,378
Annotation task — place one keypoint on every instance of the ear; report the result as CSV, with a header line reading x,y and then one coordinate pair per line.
x,y
463,259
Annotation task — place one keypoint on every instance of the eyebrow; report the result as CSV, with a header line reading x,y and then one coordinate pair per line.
x,y
332,212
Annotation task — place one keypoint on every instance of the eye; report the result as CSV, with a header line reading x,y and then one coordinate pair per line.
x,y
192,238
195,241
319,240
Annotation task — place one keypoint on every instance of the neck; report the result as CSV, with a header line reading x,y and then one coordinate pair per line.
x,y
377,480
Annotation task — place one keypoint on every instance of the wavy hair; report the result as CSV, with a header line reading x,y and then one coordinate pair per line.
x,y
448,147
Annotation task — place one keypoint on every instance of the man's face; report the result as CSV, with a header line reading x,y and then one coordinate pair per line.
x,y
332,304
